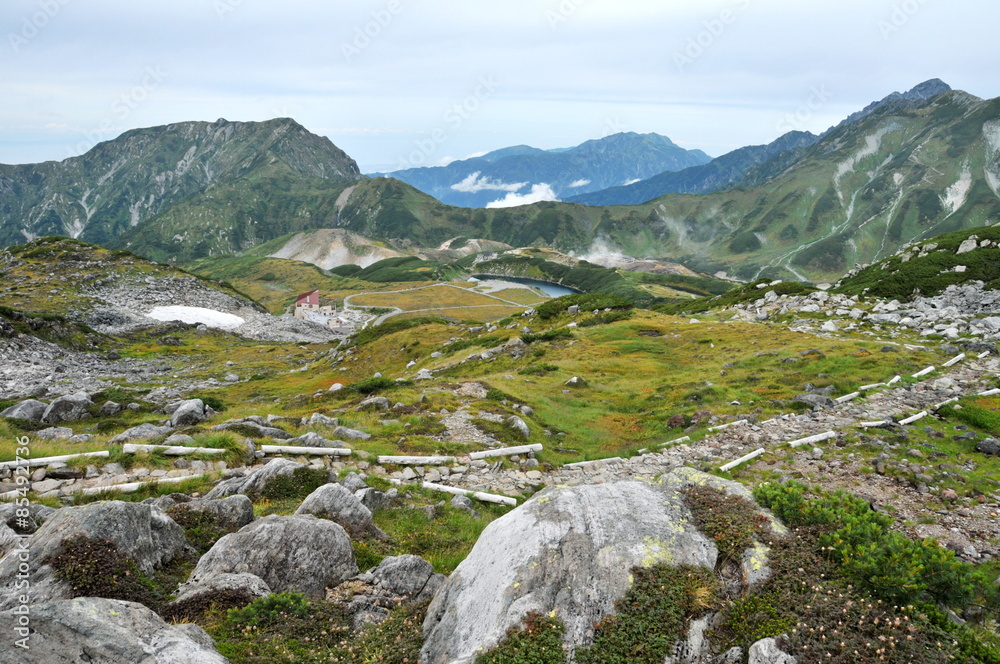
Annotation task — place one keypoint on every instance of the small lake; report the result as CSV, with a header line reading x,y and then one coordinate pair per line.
x,y
547,287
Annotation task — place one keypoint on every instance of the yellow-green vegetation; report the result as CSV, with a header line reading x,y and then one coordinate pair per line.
x,y
276,282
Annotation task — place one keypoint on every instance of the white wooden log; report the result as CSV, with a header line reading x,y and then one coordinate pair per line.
x,y
941,405
417,461
914,418
132,487
865,388
743,459
818,438
894,380
305,451
726,426
44,461
685,439
924,372
989,393
872,425
955,360
170,450
583,464
984,355
506,451
848,397
478,495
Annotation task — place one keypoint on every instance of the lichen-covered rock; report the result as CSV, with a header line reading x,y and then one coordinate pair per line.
x,y
299,552
141,531
252,584
68,408
337,503
91,629
766,651
189,413
142,432
253,484
407,576
233,512
568,549
29,409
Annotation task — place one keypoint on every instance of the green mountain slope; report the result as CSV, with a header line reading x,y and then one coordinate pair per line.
x,y
213,186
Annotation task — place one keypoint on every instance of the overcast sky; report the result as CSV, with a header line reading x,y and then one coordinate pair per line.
x,y
402,82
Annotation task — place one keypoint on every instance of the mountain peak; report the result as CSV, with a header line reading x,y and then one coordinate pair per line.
x,y
913,97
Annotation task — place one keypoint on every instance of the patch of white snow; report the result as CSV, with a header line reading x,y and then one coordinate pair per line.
x,y
195,316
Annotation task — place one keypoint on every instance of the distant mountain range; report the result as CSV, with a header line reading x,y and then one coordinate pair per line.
x,y
526,174
908,167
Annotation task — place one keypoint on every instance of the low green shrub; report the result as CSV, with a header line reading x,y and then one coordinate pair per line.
x,y
549,335
93,567
299,484
652,615
606,318
586,302
202,529
195,608
538,640
732,522
879,560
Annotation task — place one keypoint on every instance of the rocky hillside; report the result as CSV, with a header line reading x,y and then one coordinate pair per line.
x,y
239,183
594,165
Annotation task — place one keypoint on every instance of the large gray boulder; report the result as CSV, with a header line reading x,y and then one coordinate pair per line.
x,y
817,401
253,484
233,512
189,413
68,408
141,531
568,549
90,629
259,429
29,409
407,576
141,432
297,552
337,503
252,584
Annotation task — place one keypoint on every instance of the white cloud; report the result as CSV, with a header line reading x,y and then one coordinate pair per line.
x,y
538,193
474,184
579,183
628,182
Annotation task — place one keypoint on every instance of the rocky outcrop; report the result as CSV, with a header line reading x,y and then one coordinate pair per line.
x,y
253,484
568,549
298,552
141,432
189,413
143,532
251,584
337,503
90,629
68,408
29,409
232,512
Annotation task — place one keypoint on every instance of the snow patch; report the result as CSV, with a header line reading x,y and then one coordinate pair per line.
x,y
579,183
958,193
897,178
75,229
991,134
872,145
197,316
